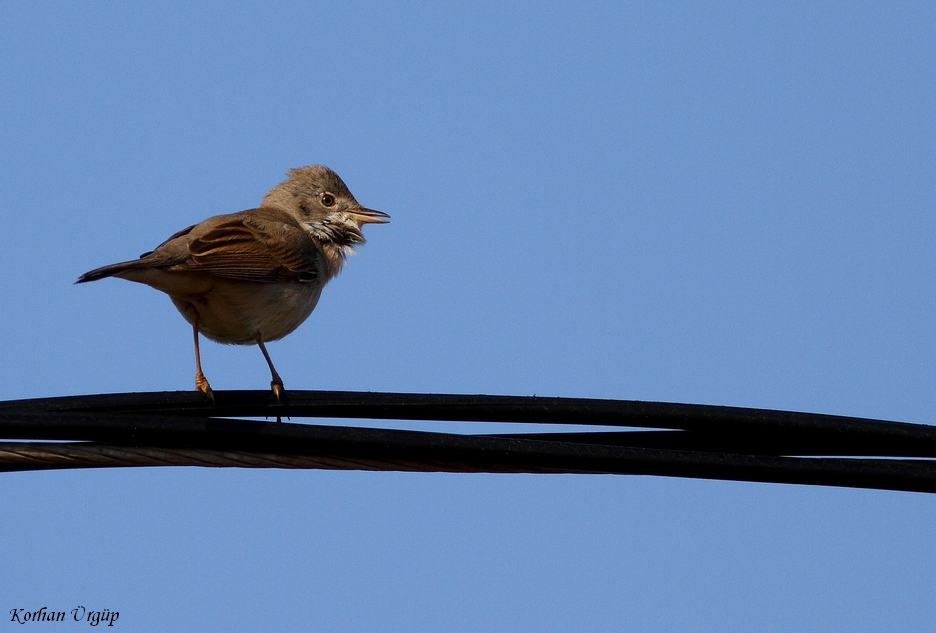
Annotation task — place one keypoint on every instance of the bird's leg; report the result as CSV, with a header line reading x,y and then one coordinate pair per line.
x,y
201,383
277,383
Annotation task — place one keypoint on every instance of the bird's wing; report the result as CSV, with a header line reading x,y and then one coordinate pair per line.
x,y
178,234
258,245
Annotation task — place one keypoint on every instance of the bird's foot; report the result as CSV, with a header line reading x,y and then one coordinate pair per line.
x,y
277,386
201,384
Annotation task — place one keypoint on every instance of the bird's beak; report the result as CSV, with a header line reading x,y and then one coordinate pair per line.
x,y
369,216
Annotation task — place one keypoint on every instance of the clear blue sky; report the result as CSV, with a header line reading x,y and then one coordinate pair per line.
x,y
726,203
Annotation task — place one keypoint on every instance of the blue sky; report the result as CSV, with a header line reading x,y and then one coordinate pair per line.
x,y
688,202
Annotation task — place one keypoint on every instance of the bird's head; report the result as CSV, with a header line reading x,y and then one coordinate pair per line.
x,y
322,203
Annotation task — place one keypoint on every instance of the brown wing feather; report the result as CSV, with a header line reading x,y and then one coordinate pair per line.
x,y
184,231
265,245
253,246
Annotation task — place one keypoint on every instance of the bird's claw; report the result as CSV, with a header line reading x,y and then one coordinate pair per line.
x,y
201,384
277,387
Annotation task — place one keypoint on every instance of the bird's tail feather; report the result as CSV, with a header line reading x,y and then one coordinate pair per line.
x,y
109,271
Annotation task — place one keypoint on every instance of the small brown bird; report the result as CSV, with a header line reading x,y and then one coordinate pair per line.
x,y
256,275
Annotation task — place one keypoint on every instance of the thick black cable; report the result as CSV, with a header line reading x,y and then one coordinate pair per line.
x,y
708,427
701,441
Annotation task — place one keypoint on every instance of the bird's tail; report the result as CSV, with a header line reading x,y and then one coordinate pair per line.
x,y
111,270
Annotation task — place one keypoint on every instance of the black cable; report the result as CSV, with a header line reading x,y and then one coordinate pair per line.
x,y
182,428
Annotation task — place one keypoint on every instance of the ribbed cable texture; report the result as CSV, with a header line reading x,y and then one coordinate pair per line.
x,y
35,455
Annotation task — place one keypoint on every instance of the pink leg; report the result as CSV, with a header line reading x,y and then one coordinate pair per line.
x,y
277,383
201,383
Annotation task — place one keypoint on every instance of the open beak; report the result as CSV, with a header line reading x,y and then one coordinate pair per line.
x,y
369,216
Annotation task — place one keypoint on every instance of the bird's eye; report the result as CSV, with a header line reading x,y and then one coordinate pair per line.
x,y
328,200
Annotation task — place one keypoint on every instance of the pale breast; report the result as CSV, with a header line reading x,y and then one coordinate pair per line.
x,y
239,311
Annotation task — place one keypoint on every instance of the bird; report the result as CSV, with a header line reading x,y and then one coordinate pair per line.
x,y
254,276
